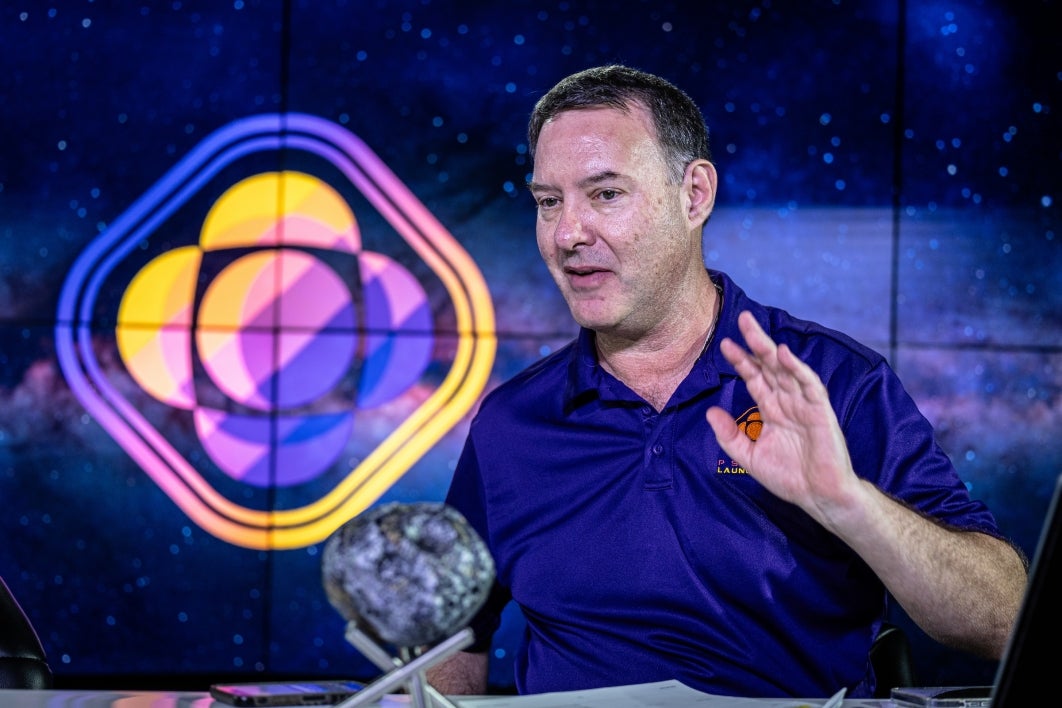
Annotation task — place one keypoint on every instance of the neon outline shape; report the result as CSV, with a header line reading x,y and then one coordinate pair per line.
x,y
457,393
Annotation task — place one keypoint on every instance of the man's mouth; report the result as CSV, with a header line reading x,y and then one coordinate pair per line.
x,y
582,277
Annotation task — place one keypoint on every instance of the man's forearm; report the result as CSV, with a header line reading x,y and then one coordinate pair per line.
x,y
963,588
464,673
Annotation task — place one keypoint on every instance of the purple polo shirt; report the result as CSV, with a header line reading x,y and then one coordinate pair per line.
x,y
638,551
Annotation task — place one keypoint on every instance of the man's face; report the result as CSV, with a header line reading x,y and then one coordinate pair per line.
x,y
612,231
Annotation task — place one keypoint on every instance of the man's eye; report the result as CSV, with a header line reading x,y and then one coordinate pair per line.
x,y
608,194
548,202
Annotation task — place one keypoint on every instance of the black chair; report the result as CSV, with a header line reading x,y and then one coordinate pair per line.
x,y
23,663
890,655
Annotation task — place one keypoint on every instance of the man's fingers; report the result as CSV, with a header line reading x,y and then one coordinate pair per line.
x,y
734,443
776,364
748,367
762,351
738,357
801,375
757,340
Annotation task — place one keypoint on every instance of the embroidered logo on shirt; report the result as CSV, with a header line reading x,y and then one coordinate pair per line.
x,y
751,423
723,467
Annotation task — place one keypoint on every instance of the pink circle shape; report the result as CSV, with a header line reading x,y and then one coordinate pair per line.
x,y
275,329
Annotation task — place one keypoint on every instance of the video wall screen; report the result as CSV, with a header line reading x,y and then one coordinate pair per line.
x,y
260,261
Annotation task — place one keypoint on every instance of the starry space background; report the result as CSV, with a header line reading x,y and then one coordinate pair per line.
x,y
888,168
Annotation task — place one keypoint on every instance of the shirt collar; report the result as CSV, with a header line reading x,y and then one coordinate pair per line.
x,y
588,381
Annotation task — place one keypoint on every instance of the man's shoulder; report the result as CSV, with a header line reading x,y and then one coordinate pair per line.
x,y
543,378
820,346
811,341
808,338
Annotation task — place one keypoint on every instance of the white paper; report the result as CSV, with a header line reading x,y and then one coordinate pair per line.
x,y
663,694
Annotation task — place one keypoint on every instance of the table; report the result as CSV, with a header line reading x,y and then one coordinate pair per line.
x,y
620,697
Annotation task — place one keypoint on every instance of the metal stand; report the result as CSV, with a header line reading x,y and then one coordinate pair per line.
x,y
406,669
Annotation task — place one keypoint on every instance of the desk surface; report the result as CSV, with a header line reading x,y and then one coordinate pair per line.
x,y
621,697
10,698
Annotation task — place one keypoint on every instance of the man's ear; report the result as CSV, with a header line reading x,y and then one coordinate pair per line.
x,y
700,182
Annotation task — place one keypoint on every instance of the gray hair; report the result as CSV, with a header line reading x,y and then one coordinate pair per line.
x,y
680,128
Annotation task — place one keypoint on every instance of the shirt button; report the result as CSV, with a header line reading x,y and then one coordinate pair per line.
x,y
658,449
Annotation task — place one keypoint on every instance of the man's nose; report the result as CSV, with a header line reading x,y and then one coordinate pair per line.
x,y
571,228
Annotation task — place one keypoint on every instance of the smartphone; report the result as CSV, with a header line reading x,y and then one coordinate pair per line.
x,y
943,697
284,693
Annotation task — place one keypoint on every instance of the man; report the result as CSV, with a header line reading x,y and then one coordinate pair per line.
x,y
665,504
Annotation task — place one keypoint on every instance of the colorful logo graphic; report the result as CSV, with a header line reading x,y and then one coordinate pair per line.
x,y
272,330
751,423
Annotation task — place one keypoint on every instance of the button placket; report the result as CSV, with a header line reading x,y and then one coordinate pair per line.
x,y
657,464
